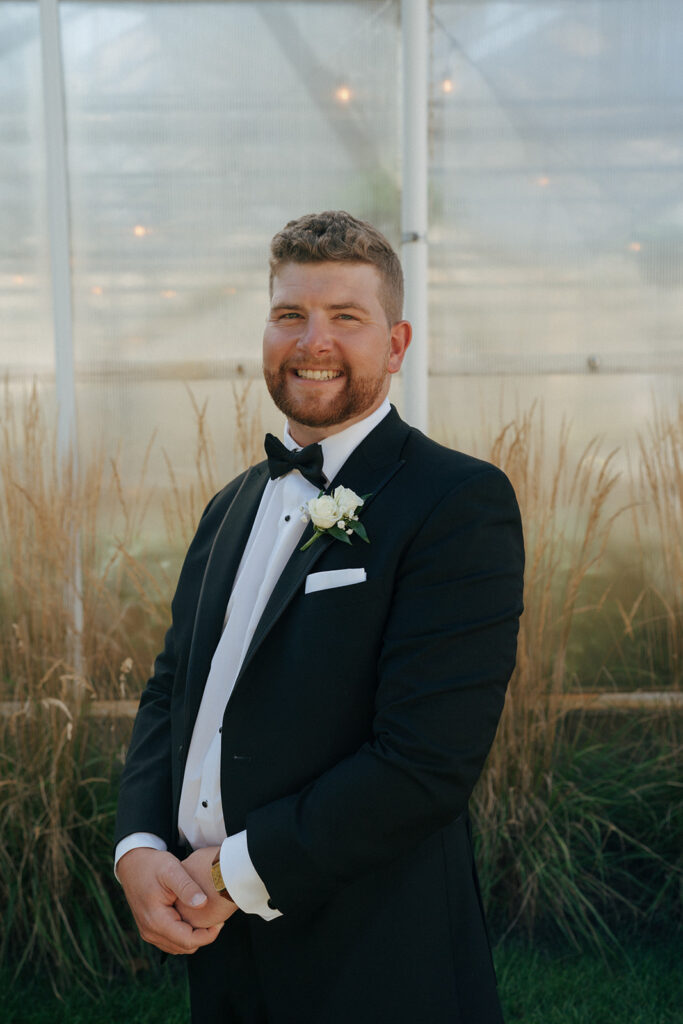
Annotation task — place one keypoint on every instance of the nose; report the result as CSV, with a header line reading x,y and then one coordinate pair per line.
x,y
316,338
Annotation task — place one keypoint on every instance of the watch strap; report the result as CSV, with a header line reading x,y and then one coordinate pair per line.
x,y
217,878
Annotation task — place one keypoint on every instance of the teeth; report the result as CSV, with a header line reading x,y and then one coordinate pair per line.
x,y
318,374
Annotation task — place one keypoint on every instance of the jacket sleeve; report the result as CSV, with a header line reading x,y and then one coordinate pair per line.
x,y
145,792
145,801
447,654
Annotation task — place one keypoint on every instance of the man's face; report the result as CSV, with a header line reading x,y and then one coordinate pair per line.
x,y
328,351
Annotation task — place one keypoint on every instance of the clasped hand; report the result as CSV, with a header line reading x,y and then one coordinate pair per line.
x,y
174,903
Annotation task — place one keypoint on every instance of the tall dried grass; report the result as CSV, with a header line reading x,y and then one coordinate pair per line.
x,y
658,527
64,534
567,830
183,505
67,535
55,789
555,830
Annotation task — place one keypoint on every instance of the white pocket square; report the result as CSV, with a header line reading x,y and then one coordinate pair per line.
x,y
334,578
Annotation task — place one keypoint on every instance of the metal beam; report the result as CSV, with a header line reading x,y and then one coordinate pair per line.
x,y
60,262
58,226
414,252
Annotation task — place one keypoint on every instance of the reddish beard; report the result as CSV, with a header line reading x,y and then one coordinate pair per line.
x,y
357,395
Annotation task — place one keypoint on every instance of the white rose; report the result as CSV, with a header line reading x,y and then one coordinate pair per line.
x,y
347,500
323,511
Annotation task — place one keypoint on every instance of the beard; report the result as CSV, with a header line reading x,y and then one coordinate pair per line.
x,y
357,395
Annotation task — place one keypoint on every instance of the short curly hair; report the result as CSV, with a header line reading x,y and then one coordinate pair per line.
x,y
338,237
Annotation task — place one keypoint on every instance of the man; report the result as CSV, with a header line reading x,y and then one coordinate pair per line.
x,y
324,705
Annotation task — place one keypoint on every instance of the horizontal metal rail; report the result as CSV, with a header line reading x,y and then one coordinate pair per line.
x,y
597,701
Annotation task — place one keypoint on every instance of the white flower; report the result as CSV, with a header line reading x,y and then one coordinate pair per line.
x,y
347,501
323,511
334,514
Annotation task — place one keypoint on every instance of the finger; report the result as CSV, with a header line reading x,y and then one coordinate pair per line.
x,y
178,938
183,886
208,915
199,937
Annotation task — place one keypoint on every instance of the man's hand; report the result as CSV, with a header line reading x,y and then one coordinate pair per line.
x,y
216,909
159,891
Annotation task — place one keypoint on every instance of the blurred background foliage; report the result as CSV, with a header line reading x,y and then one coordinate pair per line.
x,y
577,816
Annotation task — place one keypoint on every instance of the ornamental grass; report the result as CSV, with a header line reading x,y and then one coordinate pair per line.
x,y
575,816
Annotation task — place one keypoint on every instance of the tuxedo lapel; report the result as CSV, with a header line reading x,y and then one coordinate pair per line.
x,y
367,470
219,576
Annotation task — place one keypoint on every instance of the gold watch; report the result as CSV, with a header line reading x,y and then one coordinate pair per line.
x,y
217,878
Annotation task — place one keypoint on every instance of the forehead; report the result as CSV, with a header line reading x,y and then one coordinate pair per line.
x,y
331,281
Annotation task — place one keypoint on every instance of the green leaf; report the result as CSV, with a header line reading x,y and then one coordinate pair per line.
x,y
360,530
334,531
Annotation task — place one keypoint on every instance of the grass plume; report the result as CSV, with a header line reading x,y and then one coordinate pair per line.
x,y
574,825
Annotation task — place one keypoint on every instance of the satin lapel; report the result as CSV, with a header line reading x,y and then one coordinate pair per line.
x,y
219,575
366,471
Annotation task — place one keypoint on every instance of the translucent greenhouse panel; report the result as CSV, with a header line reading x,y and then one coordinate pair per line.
x,y
196,131
557,179
26,339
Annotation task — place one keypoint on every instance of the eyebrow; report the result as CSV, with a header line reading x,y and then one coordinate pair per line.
x,y
331,306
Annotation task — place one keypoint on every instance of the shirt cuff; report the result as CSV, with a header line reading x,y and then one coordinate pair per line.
x,y
135,841
242,880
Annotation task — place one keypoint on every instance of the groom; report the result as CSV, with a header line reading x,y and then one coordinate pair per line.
x,y
293,810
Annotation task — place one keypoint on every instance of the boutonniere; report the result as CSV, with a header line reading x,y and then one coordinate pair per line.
x,y
335,514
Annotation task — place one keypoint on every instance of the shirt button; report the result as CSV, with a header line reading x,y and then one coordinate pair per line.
x,y
287,518
205,803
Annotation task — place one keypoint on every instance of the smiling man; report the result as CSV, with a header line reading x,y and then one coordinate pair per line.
x,y
293,810
329,346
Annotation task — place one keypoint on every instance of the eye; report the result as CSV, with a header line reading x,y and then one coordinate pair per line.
x,y
346,316
288,316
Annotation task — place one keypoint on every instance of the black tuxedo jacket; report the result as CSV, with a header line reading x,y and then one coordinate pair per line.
x,y
359,723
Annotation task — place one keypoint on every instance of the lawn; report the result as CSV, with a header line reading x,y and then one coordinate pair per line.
x,y
644,986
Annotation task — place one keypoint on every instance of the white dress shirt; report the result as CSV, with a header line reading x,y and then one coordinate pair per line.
x,y
277,530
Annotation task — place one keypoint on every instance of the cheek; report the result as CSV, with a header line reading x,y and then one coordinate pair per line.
x,y
274,350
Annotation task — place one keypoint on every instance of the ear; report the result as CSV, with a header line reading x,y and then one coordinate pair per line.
x,y
401,334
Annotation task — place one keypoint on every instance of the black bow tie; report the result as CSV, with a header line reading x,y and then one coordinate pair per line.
x,y
309,461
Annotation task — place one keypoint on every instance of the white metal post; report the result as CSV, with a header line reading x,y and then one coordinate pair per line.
x,y
414,211
60,261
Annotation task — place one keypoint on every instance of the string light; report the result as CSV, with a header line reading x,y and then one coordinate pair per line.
x,y
169,293
635,246
18,279
447,85
139,231
96,290
343,93
543,181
